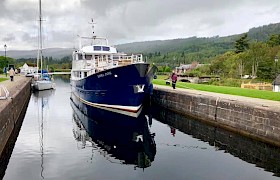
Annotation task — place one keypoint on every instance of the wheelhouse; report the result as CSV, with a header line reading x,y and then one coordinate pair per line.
x,y
95,58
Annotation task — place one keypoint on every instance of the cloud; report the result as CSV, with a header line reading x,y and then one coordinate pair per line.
x,y
125,21
9,37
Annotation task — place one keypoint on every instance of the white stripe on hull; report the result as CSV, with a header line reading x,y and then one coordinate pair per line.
x,y
133,111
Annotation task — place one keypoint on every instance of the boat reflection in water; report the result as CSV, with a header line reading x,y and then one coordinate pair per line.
x,y
42,99
120,138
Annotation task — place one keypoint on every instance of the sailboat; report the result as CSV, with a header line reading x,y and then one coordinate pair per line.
x,y
42,80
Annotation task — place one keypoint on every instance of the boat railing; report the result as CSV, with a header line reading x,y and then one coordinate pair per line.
x,y
89,64
106,61
126,60
137,58
81,64
102,64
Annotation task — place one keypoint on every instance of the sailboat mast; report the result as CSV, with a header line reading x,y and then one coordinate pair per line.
x,y
40,46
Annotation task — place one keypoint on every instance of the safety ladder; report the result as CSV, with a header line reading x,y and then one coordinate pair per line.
x,y
4,93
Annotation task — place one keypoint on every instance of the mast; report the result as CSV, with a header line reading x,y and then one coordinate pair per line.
x,y
40,56
92,26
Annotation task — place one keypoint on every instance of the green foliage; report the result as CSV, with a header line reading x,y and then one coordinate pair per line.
x,y
53,64
263,33
231,82
4,62
241,44
258,54
194,73
220,65
256,61
274,40
164,69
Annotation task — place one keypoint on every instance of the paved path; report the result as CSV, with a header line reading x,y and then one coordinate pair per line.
x,y
273,105
13,85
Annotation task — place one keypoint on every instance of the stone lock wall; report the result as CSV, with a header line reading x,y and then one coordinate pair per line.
x,y
259,122
12,109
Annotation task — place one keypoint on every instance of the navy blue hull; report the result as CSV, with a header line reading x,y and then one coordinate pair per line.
x,y
117,134
121,86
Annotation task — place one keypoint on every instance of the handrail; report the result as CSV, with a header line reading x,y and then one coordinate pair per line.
x,y
6,95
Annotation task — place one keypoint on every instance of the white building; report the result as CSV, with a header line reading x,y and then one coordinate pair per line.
x,y
28,69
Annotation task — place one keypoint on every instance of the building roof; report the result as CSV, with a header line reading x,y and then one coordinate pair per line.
x,y
184,66
277,80
31,65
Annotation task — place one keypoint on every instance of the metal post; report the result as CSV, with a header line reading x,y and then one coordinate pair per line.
x,y
276,65
5,47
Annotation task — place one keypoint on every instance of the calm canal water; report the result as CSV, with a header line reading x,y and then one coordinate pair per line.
x,y
57,141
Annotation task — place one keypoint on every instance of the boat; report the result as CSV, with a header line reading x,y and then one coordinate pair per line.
x,y
119,138
104,78
41,81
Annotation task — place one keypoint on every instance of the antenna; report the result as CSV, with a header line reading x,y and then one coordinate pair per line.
x,y
92,25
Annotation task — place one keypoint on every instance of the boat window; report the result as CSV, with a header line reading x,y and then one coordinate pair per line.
x,y
76,74
80,56
96,57
85,74
88,57
105,48
97,48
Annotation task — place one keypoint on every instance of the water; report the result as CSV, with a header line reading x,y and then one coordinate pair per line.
x,y
57,141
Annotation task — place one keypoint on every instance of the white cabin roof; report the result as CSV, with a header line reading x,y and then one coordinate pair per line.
x,y
98,49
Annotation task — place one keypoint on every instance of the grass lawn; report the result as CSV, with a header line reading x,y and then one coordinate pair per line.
x,y
3,78
224,89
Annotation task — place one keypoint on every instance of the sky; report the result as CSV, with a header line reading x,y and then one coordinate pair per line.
x,y
125,21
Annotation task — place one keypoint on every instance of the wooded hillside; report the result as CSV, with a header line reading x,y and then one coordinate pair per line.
x,y
194,48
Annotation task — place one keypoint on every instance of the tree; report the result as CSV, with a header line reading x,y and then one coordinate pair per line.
x,y
183,57
274,40
241,44
241,60
220,66
258,52
4,61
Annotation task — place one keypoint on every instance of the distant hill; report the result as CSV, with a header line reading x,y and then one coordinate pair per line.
x,y
56,53
264,32
221,44
193,47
